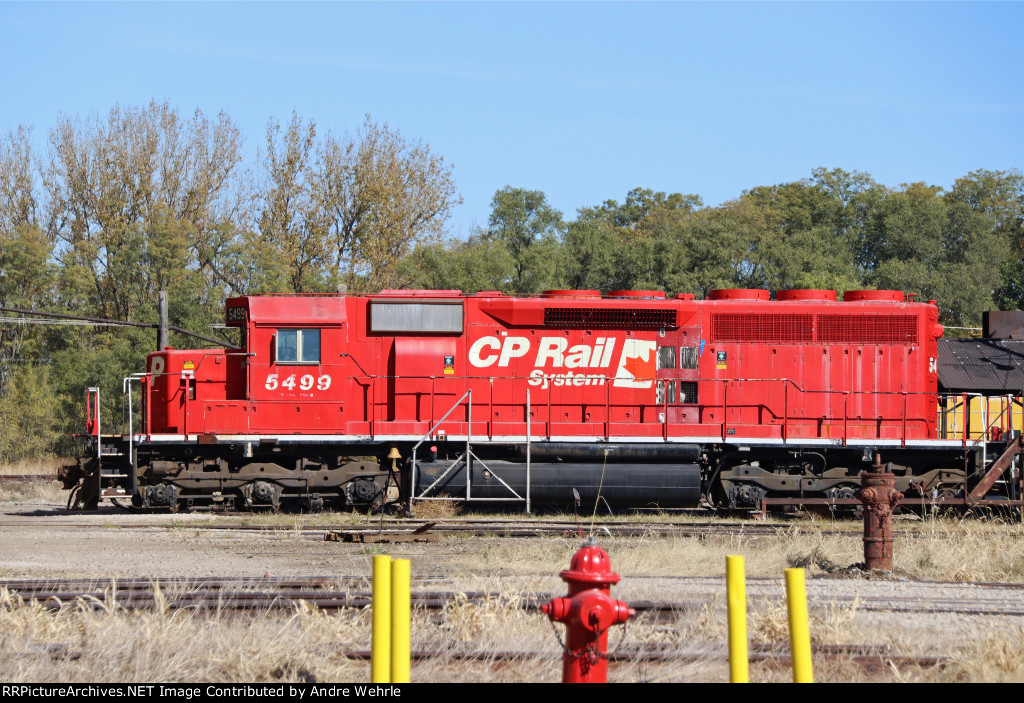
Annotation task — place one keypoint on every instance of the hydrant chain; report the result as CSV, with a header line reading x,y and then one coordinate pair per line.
x,y
590,652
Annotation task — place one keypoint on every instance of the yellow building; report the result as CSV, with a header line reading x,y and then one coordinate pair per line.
x,y
987,377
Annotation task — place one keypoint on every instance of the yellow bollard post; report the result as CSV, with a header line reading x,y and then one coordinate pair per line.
x,y
736,588
799,631
400,602
380,649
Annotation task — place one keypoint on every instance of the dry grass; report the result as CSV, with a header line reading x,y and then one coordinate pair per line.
x,y
436,509
81,646
968,549
941,549
944,549
992,656
49,491
76,644
42,466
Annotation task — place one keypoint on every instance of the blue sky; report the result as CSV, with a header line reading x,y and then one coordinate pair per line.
x,y
583,101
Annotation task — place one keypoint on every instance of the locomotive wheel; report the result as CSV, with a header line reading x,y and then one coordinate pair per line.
x,y
945,493
717,497
845,491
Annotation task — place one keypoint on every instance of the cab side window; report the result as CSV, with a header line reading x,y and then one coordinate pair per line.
x,y
298,346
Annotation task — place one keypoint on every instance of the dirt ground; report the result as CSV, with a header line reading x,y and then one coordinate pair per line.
x,y
40,539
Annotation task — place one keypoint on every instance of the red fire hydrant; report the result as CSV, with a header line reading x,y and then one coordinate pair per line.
x,y
588,611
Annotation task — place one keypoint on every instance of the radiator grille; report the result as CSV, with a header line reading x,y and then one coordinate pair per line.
x,y
827,329
862,329
609,318
742,327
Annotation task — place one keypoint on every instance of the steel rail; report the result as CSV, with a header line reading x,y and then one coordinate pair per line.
x,y
28,478
869,657
290,592
524,530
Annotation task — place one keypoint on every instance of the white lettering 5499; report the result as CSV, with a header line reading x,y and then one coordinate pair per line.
x,y
304,382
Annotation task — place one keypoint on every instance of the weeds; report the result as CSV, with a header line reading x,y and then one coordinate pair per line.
x,y
102,641
42,466
437,509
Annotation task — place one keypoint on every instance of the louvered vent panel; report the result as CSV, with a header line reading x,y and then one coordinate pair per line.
x,y
741,327
609,318
864,329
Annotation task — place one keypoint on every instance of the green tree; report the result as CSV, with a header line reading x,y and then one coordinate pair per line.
x,y
292,248
987,233
18,204
107,181
530,229
641,203
470,266
381,196
1010,295
795,236
591,254
28,414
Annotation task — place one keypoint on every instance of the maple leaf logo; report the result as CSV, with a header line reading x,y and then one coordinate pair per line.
x,y
636,365
639,367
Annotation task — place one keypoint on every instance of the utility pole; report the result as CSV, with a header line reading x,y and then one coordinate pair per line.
x,y
164,330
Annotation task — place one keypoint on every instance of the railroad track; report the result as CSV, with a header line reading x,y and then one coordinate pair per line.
x,y
341,592
869,657
503,529
258,596
609,529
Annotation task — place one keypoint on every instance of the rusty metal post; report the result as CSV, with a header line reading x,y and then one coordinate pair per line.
x,y
879,495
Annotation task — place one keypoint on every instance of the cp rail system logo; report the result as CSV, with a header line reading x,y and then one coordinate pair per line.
x,y
635,369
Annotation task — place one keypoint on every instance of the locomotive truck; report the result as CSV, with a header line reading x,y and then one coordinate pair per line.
x,y
639,398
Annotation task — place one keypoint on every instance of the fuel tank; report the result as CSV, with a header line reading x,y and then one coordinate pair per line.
x,y
635,485
618,453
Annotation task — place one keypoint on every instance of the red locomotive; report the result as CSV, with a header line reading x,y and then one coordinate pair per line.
x,y
646,399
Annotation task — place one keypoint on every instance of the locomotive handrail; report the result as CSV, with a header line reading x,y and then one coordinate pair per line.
x,y
415,467
356,362
126,391
187,375
1006,408
965,407
728,403
986,426
89,416
466,457
438,423
608,381
784,379
99,435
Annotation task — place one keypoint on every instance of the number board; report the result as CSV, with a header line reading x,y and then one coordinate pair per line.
x,y
236,314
